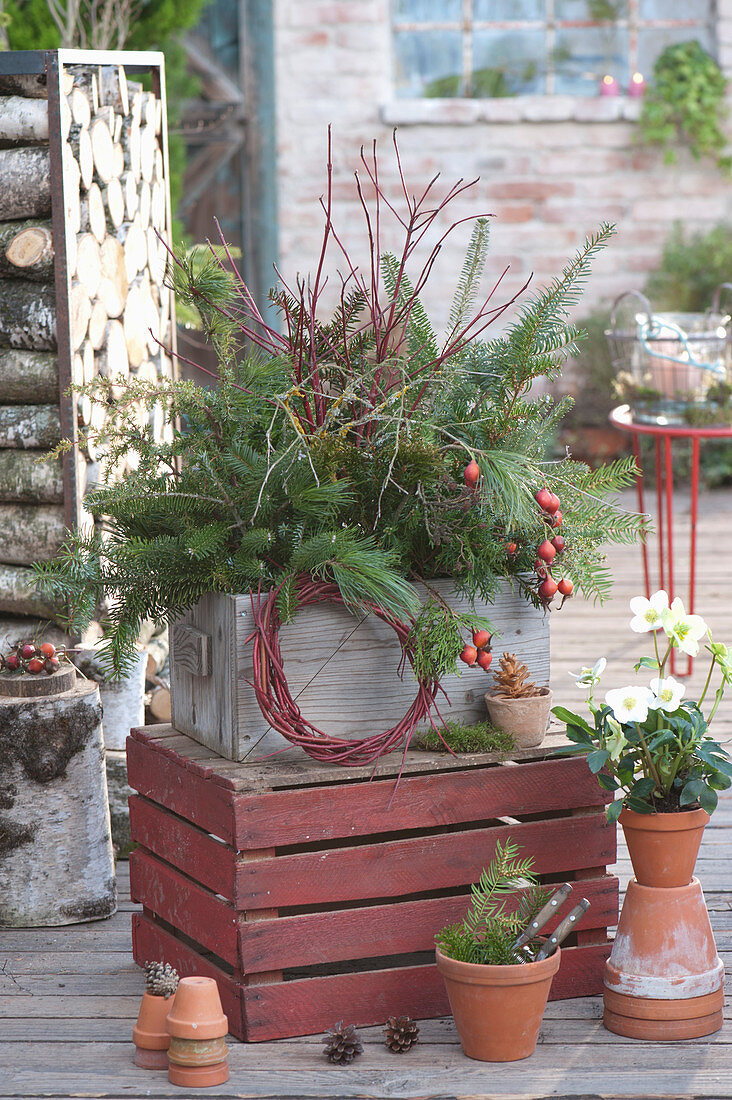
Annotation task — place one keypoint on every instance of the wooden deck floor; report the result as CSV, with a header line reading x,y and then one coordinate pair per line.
x,y
68,997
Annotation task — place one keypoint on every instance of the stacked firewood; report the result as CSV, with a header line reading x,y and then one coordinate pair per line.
x,y
109,142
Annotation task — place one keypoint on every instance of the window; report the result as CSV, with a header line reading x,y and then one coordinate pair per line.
x,y
495,48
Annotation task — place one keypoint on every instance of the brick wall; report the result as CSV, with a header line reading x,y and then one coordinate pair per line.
x,y
550,168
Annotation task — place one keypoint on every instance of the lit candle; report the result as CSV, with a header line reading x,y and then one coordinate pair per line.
x,y
637,85
609,86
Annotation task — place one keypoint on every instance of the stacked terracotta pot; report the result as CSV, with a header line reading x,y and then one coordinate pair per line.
x,y
664,979
185,1034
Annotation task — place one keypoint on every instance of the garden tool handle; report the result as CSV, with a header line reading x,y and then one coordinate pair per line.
x,y
561,933
544,915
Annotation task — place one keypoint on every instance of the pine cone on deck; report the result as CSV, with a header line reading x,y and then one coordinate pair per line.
x,y
401,1034
511,679
342,1044
160,979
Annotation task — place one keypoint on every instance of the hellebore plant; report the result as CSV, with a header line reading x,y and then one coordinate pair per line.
x,y
649,745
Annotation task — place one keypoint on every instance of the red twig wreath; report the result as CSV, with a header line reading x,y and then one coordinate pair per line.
x,y
282,712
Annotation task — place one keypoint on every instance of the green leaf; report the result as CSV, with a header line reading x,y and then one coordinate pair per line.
x,y
597,760
614,810
571,719
692,792
647,662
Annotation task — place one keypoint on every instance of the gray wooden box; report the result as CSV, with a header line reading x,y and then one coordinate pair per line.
x,y
341,669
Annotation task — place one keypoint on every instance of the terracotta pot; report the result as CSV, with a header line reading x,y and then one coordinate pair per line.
x,y
664,979
197,1027
663,847
150,1033
498,1009
197,1011
525,719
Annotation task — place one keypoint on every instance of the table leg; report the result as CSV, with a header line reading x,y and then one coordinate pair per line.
x,y
659,512
642,509
694,517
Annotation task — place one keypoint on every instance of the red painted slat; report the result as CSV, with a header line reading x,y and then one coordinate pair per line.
x,y
425,863
163,777
181,902
311,1005
358,809
150,941
394,929
182,844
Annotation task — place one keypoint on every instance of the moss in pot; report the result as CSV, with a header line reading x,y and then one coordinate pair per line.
x,y
517,705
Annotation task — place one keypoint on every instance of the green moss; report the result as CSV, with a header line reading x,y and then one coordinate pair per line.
x,y
480,737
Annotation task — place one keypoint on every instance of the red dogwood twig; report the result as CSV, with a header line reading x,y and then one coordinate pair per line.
x,y
282,712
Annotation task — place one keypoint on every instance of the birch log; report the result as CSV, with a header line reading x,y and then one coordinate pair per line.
x,y
27,315
26,250
29,427
25,184
123,700
93,216
23,121
27,376
114,204
97,327
19,595
113,88
30,85
30,532
79,314
80,108
24,478
89,263
102,149
57,864
113,360
112,290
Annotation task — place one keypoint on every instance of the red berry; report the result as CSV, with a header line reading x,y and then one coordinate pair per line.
x,y
559,542
28,651
12,662
481,638
471,473
548,588
51,664
540,568
565,586
546,551
484,659
35,665
469,655
544,498
557,519
511,548
48,649
554,504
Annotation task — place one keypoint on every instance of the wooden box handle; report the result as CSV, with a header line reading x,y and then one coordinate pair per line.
x,y
191,649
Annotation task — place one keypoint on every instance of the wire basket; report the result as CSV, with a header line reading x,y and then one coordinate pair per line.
x,y
671,368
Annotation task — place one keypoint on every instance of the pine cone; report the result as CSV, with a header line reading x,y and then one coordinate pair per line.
x,y
401,1034
342,1044
511,679
160,979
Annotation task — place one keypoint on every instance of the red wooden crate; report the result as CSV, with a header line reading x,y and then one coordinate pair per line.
x,y
313,893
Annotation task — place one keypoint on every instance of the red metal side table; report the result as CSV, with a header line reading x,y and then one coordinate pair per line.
x,y
662,435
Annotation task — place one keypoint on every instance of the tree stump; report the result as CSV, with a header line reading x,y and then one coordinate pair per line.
x,y
56,860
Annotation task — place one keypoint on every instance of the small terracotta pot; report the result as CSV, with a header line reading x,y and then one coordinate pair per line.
x,y
663,847
498,1009
525,719
150,1033
197,1027
197,1011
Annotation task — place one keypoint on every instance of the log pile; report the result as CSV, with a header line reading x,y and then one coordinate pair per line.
x,y
109,140
84,214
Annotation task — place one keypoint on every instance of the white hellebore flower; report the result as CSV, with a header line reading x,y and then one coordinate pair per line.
x,y
647,613
667,694
630,704
589,675
683,630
